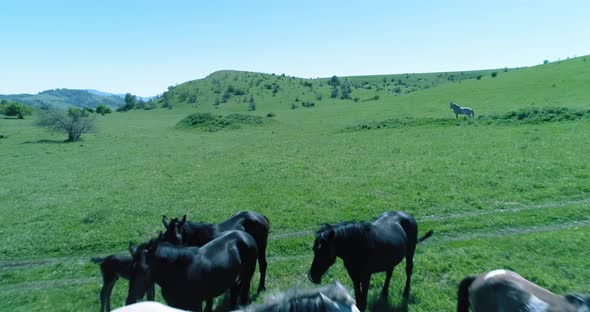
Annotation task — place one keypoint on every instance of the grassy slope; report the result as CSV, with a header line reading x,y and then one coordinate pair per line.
x,y
498,196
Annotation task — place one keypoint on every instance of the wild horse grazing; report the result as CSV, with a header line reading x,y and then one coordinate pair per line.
x,y
367,248
190,275
198,234
332,298
503,290
111,268
458,110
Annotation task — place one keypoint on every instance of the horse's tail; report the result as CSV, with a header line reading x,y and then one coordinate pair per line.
x,y
463,293
97,260
427,235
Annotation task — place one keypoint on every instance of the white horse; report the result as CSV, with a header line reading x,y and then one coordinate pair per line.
x,y
332,298
147,306
503,290
458,110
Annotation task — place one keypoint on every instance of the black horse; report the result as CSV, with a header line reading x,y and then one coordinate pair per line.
x,y
367,248
111,268
190,275
198,234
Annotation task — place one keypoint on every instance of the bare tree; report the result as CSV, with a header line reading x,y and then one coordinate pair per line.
x,y
74,122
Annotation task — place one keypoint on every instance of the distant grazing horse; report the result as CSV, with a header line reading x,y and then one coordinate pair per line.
x,y
147,306
367,248
503,290
458,110
332,298
198,234
111,268
190,275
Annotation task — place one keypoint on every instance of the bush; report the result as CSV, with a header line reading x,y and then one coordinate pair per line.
x,y
212,122
270,115
15,109
307,104
494,74
334,93
74,122
478,77
103,109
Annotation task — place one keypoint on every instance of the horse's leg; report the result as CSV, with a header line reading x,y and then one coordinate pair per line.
x,y
358,294
365,283
208,305
262,264
456,116
105,292
409,269
233,294
151,292
385,290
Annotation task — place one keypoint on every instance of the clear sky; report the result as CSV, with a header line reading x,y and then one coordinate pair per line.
x,y
144,46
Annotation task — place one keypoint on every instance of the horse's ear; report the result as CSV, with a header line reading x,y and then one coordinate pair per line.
x,y
132,248
165,221
182,222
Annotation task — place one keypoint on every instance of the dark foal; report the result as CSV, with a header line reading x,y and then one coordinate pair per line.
x,y
190,275
198,234
367,248
503,290
112,268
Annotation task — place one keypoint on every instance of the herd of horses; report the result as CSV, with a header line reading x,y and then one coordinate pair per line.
x,y
194,262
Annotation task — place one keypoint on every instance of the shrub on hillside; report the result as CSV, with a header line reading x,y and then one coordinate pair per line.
x,y
74,122
15,109
103,109
212,122
494,74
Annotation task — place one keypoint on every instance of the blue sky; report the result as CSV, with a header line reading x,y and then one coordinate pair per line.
x,y
144,46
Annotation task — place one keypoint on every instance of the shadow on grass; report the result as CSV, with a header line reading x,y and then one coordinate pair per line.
x,y
383,304
46,141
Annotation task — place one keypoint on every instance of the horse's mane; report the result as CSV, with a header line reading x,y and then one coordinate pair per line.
x,y
345,229
304,299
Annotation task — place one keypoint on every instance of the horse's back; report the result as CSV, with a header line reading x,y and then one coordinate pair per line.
x,y
147,306
504,290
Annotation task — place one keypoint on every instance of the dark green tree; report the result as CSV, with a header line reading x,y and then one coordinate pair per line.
x,y
103,109
16,109
251,104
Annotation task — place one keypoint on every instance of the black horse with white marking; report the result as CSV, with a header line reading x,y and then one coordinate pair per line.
x,y
367,248
112,268
503,290
189,233
190,275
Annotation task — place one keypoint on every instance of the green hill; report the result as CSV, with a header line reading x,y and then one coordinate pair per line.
x,y
64,98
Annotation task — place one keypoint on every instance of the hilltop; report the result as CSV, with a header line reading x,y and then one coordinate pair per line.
x,y
231,90
64,98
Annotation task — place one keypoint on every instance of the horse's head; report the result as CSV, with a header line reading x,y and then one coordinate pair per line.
x,y
173,233
140,277
324,250
579,300
451,105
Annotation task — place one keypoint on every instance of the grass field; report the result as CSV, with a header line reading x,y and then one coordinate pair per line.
x,y
508,195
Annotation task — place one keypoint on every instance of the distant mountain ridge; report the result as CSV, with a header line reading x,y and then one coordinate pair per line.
x,y
64,98
102,93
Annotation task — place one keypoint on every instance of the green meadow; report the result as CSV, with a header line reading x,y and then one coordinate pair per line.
x,y
511,194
